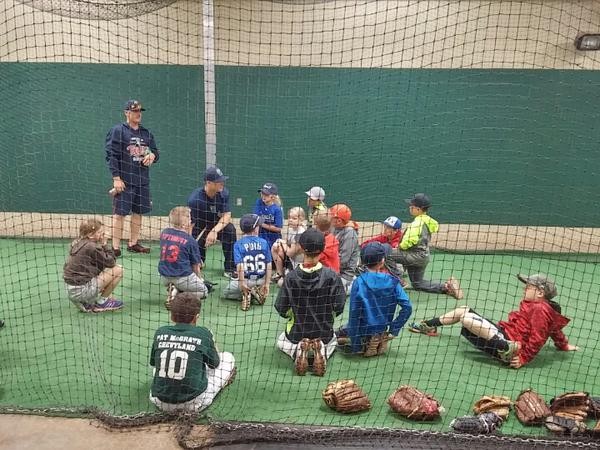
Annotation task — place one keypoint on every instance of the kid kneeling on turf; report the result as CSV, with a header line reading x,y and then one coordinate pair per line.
x,y
517,340
91,273
189,371
344,230
180,260
252,256
373,301
310,298
413,250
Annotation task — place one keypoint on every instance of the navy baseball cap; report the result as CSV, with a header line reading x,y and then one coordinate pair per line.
x,y
249,222
214,174
269,189
372,253
133,105
419,200
312,241
393,222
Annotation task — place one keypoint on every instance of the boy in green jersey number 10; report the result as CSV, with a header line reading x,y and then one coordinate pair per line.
x,y
189,371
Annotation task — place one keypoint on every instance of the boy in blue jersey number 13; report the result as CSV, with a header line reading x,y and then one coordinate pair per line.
x,y
252,256
180,261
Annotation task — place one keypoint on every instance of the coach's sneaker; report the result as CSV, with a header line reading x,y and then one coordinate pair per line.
x,y
110,304
452,288
301,361
510,352
117,252
137,248
319,365
171,293
246,301
422,328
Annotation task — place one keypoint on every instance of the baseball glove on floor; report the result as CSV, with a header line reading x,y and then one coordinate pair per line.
x,y
572,405
498,404
414,404
485,423
564,425
531,408
594,411
345,396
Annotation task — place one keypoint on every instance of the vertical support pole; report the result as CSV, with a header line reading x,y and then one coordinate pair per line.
x,y
210,116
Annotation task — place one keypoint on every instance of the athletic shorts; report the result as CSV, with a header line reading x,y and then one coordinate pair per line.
x,y
481,343
134,199
86,294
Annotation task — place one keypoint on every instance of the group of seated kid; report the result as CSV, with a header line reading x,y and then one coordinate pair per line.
x,y
317,265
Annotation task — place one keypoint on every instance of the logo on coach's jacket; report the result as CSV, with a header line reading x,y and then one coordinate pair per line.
x,y
137,149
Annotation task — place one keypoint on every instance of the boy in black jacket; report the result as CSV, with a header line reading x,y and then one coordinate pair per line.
x,y
310,298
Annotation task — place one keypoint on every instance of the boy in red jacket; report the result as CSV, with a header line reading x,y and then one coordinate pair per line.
x,y
391,233
517,340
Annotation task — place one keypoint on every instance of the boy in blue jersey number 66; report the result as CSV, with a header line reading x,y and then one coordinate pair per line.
x,y
189,371
252,256
180,261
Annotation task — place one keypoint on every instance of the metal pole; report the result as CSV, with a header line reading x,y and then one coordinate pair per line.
x,y
210,116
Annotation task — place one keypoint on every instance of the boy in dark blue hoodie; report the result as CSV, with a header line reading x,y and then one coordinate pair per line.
x,y
373,301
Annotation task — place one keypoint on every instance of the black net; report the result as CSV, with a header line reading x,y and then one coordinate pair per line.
x,y
487,107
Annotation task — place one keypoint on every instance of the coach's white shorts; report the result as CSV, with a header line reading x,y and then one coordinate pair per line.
x,y
347,284
217,379
191,283
289,348
87,294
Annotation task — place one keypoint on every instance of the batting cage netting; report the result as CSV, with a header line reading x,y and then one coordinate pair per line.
x,y
459,136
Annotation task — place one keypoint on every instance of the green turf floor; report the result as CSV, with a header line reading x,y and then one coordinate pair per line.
x,y
54,356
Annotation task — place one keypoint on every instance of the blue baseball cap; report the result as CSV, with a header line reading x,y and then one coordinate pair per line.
x,y
393,222
133,105
214,174
249,222
372,253
269,189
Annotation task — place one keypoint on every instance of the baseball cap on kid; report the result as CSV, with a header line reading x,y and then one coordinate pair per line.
x,y
542,282
341,211
269,189
419,200
393,222
372,253
133,105
316,193
249,222
214,175
312,241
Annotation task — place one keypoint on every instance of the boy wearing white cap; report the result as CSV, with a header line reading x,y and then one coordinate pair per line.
x,y
391,233
315,202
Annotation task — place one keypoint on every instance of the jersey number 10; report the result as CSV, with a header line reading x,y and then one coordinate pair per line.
x,y
173,365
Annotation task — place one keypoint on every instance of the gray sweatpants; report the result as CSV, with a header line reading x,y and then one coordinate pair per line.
x,y
415,264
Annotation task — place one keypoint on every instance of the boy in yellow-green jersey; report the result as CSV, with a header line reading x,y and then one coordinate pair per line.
x,y
413,250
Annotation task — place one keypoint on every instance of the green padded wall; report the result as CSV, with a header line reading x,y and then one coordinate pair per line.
x,y
490,146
